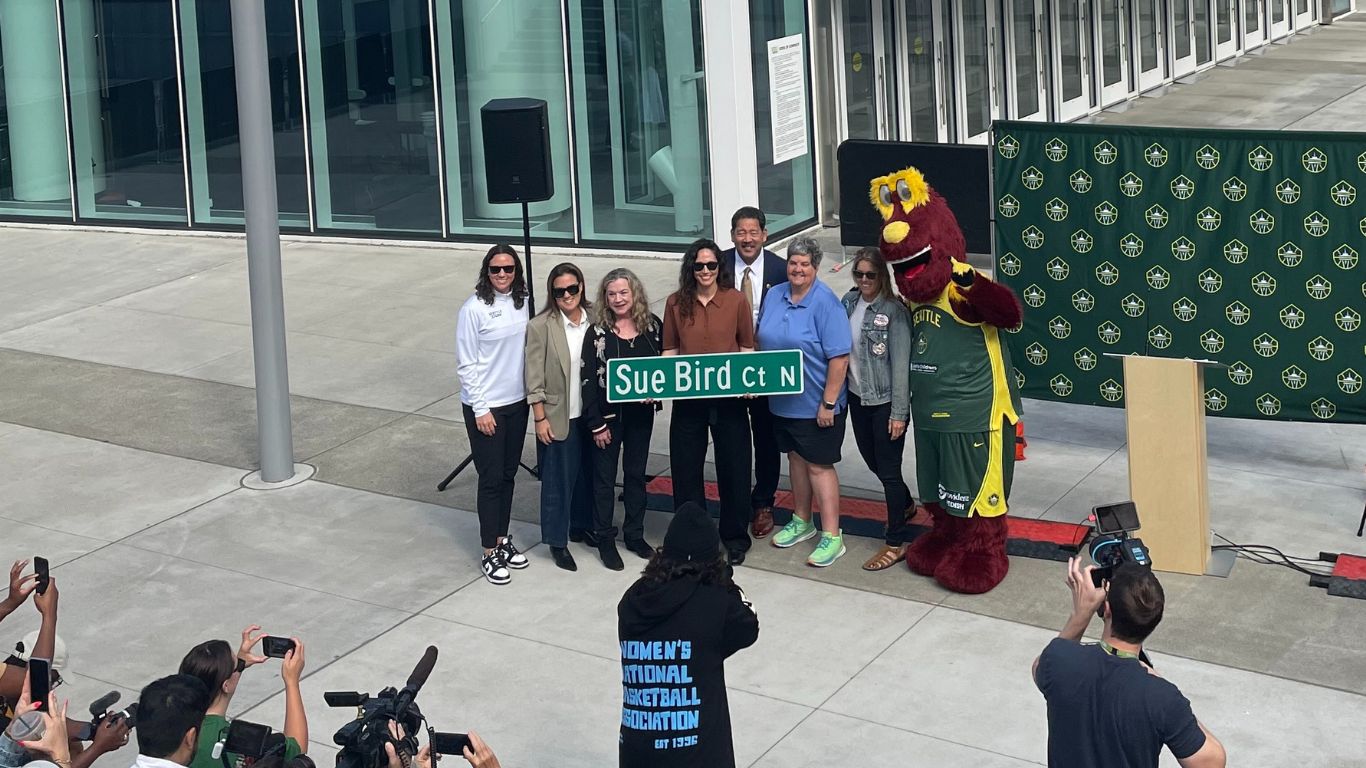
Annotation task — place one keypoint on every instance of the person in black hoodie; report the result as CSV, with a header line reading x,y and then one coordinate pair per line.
x,y
677,625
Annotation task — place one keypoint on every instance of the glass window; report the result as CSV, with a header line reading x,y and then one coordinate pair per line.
x,y
859,67
509,49
372,115
35,177
786,189
1071,43
1026,58
125,110
1181,28
211,112
1200,15
977,65
639,108
921,66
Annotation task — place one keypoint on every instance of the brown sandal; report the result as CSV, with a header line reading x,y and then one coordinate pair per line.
x,y
885,558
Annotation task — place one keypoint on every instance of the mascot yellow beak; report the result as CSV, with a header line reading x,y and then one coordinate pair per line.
x,y
895,231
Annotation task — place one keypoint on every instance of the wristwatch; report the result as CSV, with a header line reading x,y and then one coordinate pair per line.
x,y
828,404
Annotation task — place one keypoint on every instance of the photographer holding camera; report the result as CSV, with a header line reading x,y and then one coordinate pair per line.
x,y
214,664
1107,708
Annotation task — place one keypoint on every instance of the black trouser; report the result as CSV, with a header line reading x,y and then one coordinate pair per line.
x,y
496,459
632,430
766,459
882,454
725,417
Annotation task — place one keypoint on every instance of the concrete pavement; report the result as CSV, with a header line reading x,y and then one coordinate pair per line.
x,y
127,423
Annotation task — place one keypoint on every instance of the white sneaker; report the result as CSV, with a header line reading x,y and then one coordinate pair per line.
x,y
512,557
495,567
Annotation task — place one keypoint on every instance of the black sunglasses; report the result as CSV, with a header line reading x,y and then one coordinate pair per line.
x,y
710,266
510,269
861,275
568,290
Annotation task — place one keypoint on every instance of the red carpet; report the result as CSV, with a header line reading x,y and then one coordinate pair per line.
x,y
1044,539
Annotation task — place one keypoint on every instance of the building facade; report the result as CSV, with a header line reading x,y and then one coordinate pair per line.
x,y
665,115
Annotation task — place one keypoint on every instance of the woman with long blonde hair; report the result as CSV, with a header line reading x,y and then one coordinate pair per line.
x,y
623,327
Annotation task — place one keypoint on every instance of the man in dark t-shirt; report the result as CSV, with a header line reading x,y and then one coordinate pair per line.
x,y
1107,708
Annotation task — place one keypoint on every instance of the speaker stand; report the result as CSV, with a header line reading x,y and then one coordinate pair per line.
x,y
526,249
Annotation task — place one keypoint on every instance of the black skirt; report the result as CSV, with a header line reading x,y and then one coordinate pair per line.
x,y
814,443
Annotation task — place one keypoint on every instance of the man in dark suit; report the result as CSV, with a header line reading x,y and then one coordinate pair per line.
x,y
756,269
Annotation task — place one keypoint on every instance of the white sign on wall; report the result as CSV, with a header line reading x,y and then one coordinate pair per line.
x,y
787,97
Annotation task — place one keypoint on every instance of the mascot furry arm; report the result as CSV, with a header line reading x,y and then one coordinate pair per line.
x,y
963,390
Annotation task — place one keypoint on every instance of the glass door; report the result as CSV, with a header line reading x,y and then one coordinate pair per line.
x,y
1225,36
1112,40
922,95
1200,16
1150,43
1254,23
975,67
1280,19
1071,60
1304,13
1026,83
1182,38
864,43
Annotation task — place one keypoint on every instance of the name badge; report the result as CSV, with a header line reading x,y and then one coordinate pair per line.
x,y
881,321
879,349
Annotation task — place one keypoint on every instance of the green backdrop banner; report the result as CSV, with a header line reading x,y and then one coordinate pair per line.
x,y
1236,246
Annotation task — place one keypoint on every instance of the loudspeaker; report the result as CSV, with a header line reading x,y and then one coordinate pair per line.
x,y
517,150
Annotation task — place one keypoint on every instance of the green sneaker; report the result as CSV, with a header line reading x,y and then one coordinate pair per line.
x,y
828,551
796,531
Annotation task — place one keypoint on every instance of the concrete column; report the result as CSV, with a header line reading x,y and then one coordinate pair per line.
x,y
730,111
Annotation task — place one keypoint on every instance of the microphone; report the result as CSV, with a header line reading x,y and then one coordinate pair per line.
x,y
416,680
100,706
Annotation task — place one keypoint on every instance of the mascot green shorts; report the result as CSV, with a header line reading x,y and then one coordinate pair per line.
x,y
969,473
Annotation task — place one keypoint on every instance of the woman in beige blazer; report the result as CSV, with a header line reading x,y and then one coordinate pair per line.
x,y
554,346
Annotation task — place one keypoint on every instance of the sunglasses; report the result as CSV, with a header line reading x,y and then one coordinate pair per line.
x,y
510,269
568,290
861,275
710,266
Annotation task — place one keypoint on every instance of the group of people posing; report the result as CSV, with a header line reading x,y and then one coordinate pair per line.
x,y
552,367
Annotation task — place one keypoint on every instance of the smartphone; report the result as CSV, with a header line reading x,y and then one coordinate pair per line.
x,y
40,567
1116,518
276,647
449,743
39,682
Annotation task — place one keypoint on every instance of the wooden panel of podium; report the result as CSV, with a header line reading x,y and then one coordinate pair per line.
x,y
1164,409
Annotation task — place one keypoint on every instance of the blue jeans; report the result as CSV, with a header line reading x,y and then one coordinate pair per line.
x,y
566,486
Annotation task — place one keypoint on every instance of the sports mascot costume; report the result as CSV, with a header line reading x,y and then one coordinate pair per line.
x,y
964,398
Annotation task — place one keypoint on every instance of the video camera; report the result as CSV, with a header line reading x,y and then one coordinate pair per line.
x,y
100,709
362,740
1111,545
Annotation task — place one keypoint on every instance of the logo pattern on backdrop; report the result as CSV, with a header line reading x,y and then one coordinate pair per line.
x,y
1242,247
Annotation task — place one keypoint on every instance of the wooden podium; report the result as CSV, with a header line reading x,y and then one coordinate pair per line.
x,y
1165,415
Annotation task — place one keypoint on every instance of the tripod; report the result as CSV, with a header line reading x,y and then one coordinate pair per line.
x,y
531,311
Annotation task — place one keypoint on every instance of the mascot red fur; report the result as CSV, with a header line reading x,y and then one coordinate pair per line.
x,y
964,398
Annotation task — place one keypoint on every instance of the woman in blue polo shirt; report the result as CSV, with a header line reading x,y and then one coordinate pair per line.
x,y
805,314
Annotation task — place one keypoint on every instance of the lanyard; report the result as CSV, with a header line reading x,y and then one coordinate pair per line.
x,y
1113,651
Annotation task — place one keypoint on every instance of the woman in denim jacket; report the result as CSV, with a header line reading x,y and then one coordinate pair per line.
x,y
880,391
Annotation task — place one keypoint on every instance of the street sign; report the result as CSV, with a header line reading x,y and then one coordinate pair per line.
x,y
686,377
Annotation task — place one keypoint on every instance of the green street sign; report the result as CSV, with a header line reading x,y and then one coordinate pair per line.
x,y
686,377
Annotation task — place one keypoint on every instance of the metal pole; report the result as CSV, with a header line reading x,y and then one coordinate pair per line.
x,y
274,436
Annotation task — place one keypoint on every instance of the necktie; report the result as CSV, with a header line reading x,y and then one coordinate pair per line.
x,y
747,288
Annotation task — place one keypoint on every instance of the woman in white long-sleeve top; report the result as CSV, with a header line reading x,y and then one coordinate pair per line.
x,y
490,339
